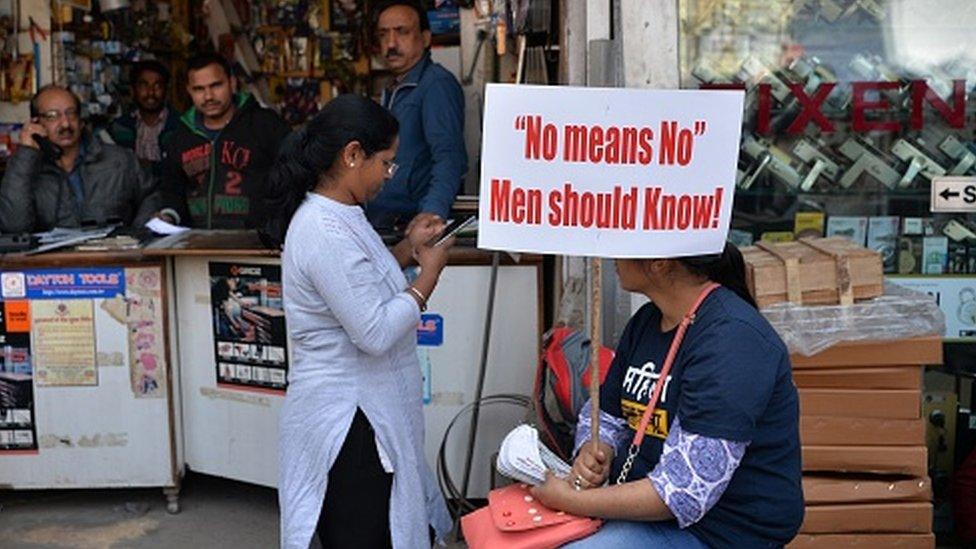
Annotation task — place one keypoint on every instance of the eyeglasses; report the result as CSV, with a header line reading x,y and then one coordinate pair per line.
x,y
54,115
391,167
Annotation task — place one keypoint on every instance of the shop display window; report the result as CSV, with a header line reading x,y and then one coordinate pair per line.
x,y
852,108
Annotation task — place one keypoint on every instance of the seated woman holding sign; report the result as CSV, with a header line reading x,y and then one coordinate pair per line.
x,y
716,462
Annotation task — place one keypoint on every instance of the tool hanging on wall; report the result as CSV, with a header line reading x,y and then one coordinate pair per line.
x,y
520,67
486,23
468,78
495,16
36,31
501,30
17,80
530,22
15,7
62,13
530,16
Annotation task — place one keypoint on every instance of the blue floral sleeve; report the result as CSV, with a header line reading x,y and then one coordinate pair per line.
x,y
694,472
613,430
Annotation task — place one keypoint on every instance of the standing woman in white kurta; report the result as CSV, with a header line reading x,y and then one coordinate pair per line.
x,y
352,463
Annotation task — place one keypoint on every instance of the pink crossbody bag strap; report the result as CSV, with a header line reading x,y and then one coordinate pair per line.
x,y
687,321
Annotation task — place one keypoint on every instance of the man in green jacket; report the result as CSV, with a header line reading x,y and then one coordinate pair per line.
x,y
217,161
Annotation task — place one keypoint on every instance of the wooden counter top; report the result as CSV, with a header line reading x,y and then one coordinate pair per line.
x,y
72,259
217,244
210,243
247,243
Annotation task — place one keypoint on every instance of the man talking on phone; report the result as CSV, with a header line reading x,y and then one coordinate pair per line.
x,y
61,176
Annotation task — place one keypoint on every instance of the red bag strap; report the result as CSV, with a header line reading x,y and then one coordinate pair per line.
x,y
687,321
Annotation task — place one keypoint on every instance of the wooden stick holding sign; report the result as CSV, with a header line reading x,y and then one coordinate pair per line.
x,y
596,332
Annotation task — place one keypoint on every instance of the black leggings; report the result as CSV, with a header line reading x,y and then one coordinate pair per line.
x,y
356,511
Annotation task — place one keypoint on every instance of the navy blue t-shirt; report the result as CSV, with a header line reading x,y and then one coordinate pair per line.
x,y
731,379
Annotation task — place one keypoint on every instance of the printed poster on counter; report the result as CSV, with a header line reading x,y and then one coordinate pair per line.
x,y
430,333
82,283
144,323
18,430
430,330
250,340
64,342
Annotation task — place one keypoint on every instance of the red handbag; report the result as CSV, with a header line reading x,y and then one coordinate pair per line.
x,y
515,520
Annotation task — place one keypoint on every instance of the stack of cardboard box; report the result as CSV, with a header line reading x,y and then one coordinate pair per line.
x,y
864,458
812,271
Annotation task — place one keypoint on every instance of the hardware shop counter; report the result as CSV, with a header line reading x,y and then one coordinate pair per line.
x,y
230,345
87,386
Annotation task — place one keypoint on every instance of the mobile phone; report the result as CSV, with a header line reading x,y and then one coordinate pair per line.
x,y
456,226
49,149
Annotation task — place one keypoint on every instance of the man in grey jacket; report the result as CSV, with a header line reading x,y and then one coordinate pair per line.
x,y
87,181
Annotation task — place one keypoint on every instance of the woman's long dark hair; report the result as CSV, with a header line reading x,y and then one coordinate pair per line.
x,y
309,153
727,268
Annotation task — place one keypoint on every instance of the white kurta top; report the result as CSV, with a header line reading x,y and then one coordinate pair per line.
x,y
353,332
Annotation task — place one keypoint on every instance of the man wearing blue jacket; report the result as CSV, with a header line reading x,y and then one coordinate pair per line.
x,y
427,101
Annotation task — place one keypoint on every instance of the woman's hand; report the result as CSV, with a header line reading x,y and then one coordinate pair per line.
x,y
423,228
635,500
556,494
592,466
433,258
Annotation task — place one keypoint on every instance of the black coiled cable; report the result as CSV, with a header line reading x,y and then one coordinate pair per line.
x,y
457,502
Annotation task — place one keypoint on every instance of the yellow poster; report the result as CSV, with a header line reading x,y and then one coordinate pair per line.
x,y
64,342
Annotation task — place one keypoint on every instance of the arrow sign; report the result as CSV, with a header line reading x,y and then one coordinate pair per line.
x,y
947,194
953,194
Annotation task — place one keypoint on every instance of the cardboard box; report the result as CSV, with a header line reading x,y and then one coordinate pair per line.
x,y
894,518
870,403
881,377
846,431
918,350
881,460
812,271
863,541
824,490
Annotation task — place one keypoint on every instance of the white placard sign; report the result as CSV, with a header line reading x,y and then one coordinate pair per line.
x,y
608,172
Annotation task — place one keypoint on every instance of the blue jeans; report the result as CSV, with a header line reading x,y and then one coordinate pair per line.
x,y
627,534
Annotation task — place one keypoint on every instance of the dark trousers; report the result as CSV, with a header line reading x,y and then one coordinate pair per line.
x,y
356,511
